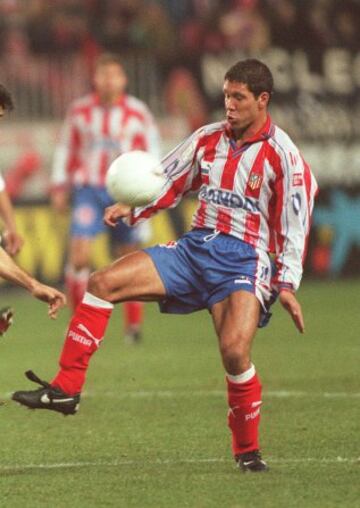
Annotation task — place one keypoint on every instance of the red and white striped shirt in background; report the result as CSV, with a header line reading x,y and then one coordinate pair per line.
x,y
262,192
93,135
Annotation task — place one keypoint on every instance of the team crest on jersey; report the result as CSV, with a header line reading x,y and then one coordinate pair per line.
x,y
255,181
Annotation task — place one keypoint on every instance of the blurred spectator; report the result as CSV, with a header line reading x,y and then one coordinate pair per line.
x,y
285,23
244,27
184,99
346,22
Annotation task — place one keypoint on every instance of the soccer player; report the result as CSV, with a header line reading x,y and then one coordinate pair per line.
x,y
11,238
256,196
98,128
8,268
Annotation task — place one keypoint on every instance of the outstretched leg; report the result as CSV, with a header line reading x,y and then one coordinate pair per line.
x,y
132,277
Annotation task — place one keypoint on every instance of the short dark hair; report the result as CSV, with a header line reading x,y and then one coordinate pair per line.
x,y
6,100
107,59
253,73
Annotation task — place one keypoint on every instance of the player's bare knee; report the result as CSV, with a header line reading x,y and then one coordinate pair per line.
x,y
235,355
99,286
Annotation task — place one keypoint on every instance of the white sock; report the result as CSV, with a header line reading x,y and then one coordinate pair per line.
x,y
94,301
243,377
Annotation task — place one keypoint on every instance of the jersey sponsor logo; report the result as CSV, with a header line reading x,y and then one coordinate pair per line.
x,y
228,199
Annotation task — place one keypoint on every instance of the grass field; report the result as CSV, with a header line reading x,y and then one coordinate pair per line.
x,y
151,431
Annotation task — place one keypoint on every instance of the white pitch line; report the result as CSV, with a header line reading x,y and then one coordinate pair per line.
x,y
169,394
122,463
143,394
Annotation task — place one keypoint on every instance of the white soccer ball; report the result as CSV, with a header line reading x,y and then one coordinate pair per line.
x,y
135,178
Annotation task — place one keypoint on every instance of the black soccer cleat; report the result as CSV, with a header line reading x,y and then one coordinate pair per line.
x,y
252,462
6,319
47,397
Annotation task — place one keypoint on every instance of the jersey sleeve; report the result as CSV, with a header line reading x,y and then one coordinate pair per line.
x,y
182,176
66,152
295,191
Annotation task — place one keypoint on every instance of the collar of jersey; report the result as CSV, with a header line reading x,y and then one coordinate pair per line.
x,y
265,132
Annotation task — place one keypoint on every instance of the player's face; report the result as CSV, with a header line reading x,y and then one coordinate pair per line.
x,y
242,108
110,80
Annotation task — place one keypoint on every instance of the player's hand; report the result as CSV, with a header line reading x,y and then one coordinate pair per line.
x,y
6,319
290,303
115,212
52,296
12,242
60,200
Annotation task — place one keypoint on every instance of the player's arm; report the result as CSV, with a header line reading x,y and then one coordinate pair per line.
x,y
10,271
12,240
295,191
181,169
65,157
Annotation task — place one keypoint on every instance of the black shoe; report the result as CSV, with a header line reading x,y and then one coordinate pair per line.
x,y
47,397
251,461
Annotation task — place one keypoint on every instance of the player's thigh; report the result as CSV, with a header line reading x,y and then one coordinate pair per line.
x,y
133,276
80,251
235,319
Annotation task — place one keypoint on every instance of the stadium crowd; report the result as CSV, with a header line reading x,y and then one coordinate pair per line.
x,y
35,34
169,27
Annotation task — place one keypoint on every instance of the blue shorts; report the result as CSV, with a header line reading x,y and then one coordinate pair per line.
x,y
89,204
203,267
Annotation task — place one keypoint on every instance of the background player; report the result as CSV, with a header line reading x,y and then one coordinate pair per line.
x,y
256,197
98,128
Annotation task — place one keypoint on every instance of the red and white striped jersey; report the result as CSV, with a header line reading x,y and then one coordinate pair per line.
x,y
262,192
93,135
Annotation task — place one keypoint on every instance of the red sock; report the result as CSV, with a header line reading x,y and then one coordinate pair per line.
x,y
76,282
133,315
86,330
244,400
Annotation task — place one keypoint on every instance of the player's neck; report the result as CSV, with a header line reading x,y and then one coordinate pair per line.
x,y
110,100
240,136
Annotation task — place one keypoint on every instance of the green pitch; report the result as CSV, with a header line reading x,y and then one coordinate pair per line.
x,y
151,429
